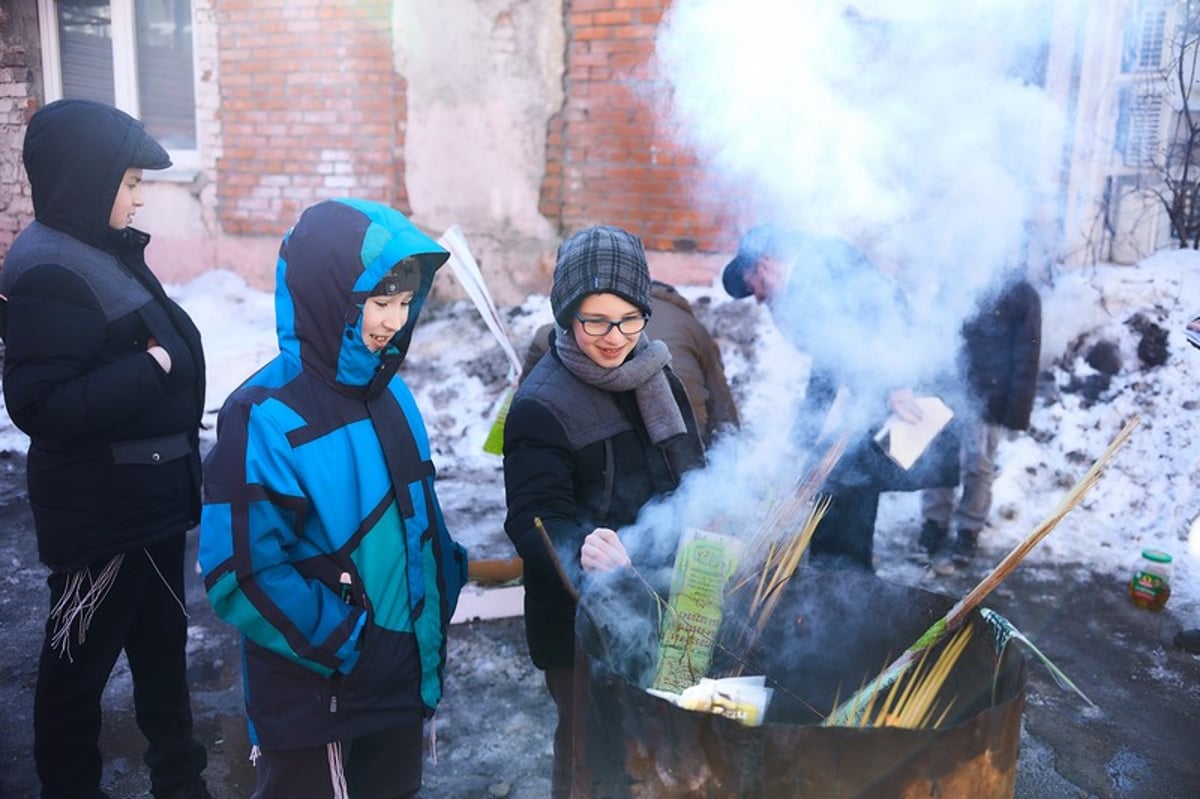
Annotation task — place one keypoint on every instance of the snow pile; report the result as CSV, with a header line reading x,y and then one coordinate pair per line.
x,y
1147,498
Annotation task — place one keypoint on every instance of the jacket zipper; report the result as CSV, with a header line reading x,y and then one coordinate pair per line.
x,y
344,584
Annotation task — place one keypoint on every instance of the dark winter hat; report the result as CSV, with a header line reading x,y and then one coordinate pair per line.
x,y
404,276
599,260
75,154
148,153
757,243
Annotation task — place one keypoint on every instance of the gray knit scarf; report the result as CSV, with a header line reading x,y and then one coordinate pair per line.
x,y
642,373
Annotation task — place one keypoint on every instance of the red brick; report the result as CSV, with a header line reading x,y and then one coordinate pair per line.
x,y
635,32
287,95
609,158
612,18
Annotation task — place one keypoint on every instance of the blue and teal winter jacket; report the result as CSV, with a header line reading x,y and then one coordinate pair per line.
x,y
321,537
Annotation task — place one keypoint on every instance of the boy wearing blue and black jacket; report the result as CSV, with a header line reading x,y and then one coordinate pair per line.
x,y
322,539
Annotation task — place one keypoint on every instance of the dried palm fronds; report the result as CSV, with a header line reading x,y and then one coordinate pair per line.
x,y
1004,631
850,712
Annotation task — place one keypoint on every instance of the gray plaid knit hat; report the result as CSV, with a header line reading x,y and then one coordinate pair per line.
x,y
599,260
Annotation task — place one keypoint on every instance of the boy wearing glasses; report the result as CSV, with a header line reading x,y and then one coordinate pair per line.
x,y
695,359
597,429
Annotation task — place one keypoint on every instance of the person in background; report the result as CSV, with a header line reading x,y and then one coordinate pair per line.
x,y
832,303
695,359
322,539
1190,639
105,373
599,427
1000,350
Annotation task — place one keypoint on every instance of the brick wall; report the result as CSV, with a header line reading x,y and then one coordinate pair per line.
x,y
311,107
610,158
19,55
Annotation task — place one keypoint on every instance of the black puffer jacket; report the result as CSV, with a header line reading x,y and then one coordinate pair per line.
x,y
578,458
113,459
1002,345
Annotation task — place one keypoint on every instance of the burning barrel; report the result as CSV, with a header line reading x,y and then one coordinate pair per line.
x,y
831,633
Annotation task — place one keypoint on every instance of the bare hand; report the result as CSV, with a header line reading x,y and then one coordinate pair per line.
x,y
160,354
902,403
603,551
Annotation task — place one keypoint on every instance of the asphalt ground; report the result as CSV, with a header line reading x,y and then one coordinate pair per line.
x,y
493,728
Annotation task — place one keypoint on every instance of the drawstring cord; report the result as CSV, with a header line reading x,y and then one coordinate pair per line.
x,y
170,590
81,598
83,595
336,773
433,740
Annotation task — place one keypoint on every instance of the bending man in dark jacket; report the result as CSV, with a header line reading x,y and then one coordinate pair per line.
x,y
833,304
106,375
999,361
695,358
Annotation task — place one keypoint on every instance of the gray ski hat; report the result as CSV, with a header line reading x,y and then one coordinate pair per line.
x,y
599,260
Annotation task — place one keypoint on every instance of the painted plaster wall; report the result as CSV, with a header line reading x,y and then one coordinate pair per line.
x,y
484,76
486,104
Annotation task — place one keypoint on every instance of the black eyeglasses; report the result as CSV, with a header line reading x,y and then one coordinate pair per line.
x,y
600,327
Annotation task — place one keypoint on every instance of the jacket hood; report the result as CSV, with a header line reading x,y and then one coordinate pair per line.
x,y
328,263
665,292
75,153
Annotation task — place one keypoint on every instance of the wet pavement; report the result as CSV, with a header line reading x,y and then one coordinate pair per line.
x,y
493,729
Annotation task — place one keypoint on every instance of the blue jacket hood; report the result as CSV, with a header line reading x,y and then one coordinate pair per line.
x,y
328,263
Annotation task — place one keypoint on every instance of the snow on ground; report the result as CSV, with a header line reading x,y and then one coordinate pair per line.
x,y
1147,498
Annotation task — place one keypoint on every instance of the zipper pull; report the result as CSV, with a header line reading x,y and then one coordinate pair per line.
x,y
344,581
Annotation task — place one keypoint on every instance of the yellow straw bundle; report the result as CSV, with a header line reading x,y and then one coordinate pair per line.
x,y
912,706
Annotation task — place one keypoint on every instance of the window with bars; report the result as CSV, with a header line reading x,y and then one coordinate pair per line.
x,y
134,54
1145,38
1139,111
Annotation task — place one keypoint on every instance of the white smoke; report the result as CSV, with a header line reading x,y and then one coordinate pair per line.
x,y
917,131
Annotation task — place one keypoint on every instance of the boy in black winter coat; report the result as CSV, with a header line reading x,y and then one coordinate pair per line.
x,y
599,428
105,374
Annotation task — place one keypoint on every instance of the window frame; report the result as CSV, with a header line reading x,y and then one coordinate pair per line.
x,y
125,74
